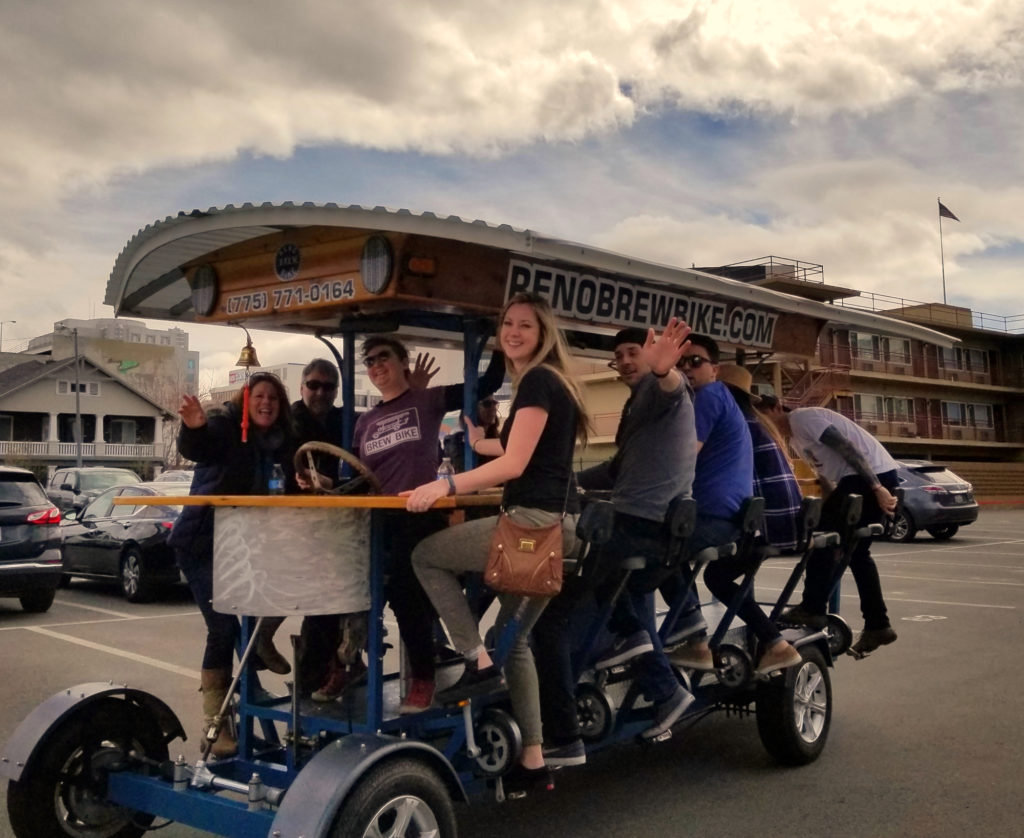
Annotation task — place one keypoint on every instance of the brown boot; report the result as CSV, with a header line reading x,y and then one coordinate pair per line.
x,y
272,659
215,683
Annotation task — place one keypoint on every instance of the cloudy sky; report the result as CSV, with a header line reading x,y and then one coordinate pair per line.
x,y
684,132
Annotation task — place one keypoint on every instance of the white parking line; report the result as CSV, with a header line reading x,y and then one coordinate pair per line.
x,y
99,610
110,650
953,581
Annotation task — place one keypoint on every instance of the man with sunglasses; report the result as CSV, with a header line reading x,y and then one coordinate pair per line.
x,y
722,481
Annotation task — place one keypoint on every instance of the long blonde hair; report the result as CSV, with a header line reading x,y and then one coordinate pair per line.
x,y
552,353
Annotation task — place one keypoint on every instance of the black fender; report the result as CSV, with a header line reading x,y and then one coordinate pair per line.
x,y
31,736
318,792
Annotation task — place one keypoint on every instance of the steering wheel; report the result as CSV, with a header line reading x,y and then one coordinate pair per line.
x,y
304,460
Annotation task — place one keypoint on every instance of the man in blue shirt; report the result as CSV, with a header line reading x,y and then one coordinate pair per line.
x,y
722,481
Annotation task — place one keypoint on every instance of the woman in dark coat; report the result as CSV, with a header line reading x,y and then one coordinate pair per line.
x,y
227,465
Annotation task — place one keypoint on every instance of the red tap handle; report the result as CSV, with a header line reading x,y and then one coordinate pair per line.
x,y
245,413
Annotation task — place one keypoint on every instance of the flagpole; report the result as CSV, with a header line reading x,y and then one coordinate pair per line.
x,y
942,255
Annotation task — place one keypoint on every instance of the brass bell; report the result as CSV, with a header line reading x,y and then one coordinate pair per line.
x,y
247,358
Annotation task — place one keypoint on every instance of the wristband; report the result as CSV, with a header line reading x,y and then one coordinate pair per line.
x,y
472,445
451,484
661,375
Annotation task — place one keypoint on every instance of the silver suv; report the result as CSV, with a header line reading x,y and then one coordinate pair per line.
x,y
30,562
73,488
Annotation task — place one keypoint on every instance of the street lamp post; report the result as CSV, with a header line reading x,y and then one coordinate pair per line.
x,y
2,322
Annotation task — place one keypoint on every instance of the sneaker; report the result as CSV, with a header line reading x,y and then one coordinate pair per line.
x,y
687,626
624,649
557,756
668,712
419,697
473,682
339,679
520,782
778,656
693,656
871,639
798,615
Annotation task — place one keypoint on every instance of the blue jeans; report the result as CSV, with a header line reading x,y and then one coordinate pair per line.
x,y
222,630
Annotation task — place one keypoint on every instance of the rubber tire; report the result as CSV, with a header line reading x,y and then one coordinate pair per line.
x,y
794,710
38,600
133,578
33,801
944,533
498,736
595,712
400,782
903,528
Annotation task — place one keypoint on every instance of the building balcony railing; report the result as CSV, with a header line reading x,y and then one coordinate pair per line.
x,y
911,429
51,450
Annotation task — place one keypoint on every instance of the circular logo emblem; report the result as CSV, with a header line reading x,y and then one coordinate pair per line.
x,y
286,262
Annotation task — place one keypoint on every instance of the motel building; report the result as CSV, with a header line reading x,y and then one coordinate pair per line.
x,y
962,406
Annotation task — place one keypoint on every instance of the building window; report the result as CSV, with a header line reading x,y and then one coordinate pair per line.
x,y
954,413
865,347
6,428
980,415
867,407
899,410
122,431
977,360
896,350
165,340
88,388
151,339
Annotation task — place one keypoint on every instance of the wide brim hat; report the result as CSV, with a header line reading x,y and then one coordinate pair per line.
x,y
740,378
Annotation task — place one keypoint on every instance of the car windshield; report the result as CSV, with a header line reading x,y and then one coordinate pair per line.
x,y
99,480
21,490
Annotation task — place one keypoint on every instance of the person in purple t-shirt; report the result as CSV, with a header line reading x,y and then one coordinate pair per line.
x,y
398,441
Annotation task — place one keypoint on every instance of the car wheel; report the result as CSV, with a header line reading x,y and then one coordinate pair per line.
x,y
37,601
135,583
63,792
943,533
404,798
903,528
794,711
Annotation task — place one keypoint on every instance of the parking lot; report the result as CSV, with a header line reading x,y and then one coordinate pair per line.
x,y
925,741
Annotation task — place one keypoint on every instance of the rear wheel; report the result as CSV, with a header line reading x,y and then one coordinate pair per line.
x,y
402,798
62,792
903,528
38,600
794,710
135,582
943,533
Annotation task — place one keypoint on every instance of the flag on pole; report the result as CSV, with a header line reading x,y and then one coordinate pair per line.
x,y
944,212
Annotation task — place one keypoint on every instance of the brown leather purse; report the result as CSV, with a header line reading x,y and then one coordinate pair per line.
x,y
525,561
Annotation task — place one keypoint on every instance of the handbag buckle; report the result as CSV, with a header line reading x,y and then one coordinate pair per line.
x,y
527,545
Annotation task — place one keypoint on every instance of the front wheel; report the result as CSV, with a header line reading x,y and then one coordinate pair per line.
x,y
944,533
134,577
402,798
794,710
903,529
61,794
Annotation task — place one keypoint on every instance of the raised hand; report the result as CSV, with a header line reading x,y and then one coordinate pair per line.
x,y
662,353
192,415
423,371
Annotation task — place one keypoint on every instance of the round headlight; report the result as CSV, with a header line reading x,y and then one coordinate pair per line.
x,y
376,263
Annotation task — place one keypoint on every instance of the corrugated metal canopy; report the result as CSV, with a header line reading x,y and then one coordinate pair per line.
x,y
148,281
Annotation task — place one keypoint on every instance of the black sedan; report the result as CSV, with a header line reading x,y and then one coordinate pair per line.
x,y
934,499
126,543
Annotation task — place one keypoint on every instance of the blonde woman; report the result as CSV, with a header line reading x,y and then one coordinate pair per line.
x,y
533,459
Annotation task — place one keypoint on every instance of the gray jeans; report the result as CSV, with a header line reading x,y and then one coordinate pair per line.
x,y
439,559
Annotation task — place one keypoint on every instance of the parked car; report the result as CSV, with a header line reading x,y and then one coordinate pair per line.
x,y
73,488
30,564
126,543
174,476
934,499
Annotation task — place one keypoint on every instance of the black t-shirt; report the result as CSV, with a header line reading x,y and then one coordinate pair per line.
x,y
543,483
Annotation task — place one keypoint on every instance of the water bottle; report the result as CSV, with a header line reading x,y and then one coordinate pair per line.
x,y
276,482
446,469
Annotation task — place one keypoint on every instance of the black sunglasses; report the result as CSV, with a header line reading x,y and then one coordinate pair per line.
x,y
379,358
693,361
315,385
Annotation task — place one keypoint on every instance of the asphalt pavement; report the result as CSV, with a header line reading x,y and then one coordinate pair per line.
x,y
925,739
